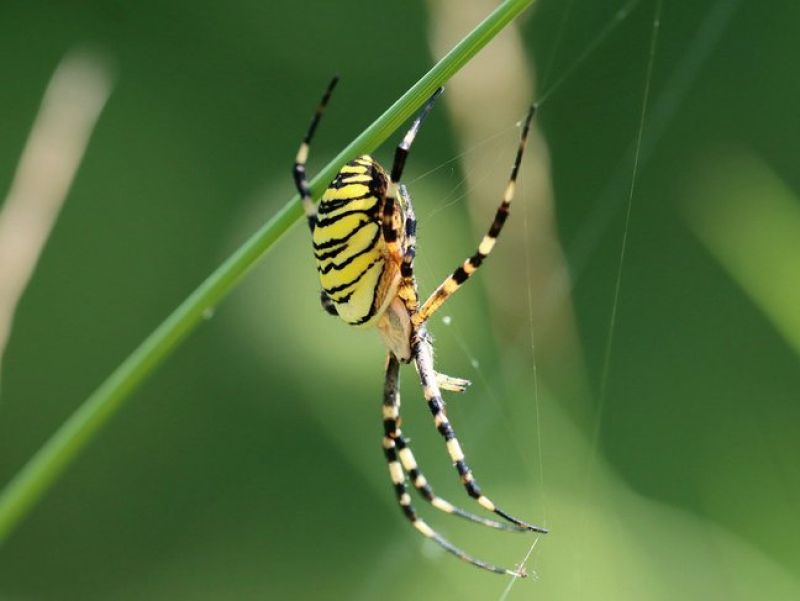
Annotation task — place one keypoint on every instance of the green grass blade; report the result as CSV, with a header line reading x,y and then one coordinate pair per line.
x,y
39,474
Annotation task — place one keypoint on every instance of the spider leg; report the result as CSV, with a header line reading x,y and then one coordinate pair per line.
x,y
468,267
407,291
299,170
390,232
328,304
391,421
395,450
423,358
301,180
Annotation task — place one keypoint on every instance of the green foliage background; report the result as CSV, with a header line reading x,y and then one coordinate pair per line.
x,y
250,465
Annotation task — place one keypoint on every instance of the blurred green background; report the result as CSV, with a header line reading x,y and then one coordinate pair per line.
x,y
249,466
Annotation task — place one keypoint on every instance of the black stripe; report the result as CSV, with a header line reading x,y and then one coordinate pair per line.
x,y
325,222
350,283
409,512
389,233
460,276
411,227
343,246
343,239
344,299
373,307
390,383
473,490
499,220
476,259
446,430
331,253
338,266
328,206
435,405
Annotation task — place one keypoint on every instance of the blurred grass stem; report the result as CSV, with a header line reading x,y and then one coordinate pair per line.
x,y
72,103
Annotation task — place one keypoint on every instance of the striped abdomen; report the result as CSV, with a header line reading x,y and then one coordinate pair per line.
x,y
348,244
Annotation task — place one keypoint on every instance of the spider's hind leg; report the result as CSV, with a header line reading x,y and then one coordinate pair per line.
x,y
401,462
423,359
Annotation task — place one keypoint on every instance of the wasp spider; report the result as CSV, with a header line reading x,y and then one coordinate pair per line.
x,y
364,243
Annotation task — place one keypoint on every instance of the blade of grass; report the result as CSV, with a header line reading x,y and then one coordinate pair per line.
x,y
41,471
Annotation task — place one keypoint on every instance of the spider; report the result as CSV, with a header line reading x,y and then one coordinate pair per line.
x,y
364,243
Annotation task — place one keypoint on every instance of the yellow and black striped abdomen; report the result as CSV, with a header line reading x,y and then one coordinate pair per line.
x,y
348,244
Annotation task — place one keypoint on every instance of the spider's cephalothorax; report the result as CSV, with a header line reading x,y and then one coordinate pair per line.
x,y
364,243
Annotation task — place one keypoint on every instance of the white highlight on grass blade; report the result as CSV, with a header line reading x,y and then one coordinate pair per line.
x,y
72,102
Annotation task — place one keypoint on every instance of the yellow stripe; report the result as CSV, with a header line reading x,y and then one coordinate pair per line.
x,y
396,472
345,192
338,229
363,292
486,503
440,503
456,454
335,278
423,528
407,457
354,179
353,169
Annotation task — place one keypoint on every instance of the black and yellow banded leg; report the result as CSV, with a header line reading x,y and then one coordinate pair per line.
x,y
327,303
398,478
404,499
470,266
299,171
391,420
390,230
407,291
423,358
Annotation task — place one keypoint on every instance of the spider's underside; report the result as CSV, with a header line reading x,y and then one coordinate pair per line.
x,y
364,243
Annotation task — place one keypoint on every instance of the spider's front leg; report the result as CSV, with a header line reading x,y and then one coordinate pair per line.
x,y
301,179
299,169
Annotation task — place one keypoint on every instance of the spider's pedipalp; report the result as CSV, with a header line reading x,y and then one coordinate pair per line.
x,y
451,384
